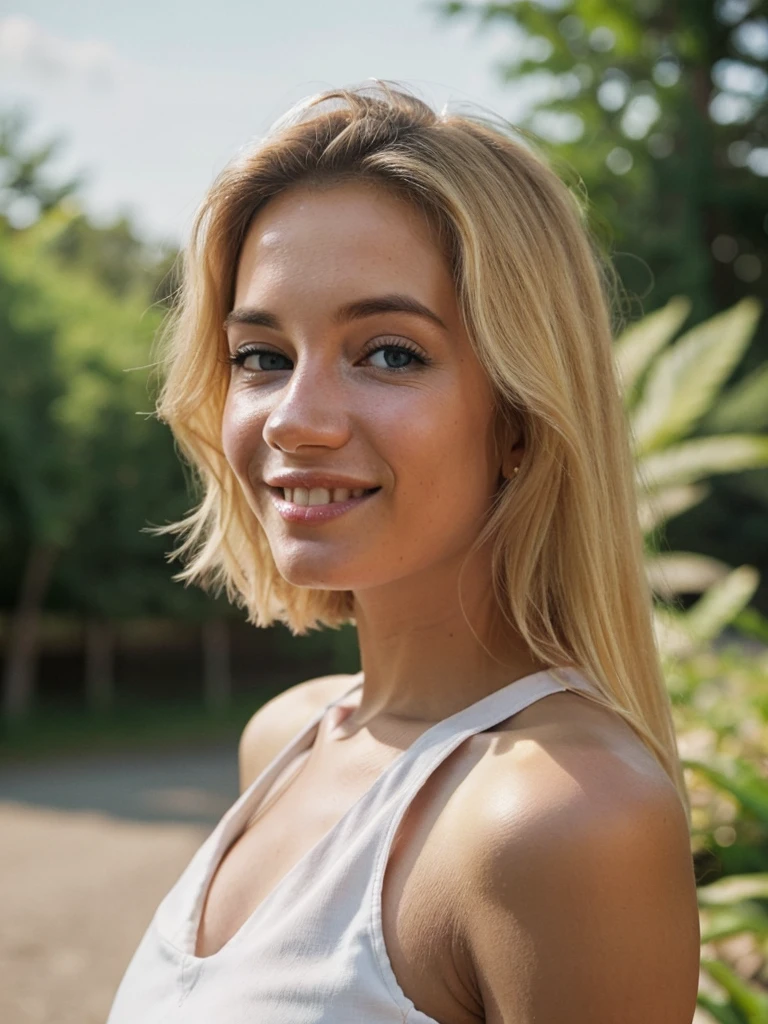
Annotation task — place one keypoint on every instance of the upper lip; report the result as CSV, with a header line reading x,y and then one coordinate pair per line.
x,y
331,481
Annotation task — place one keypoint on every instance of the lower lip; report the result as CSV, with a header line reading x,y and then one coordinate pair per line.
x,y
316,513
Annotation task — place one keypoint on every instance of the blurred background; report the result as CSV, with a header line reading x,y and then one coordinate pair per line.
x,y
124,693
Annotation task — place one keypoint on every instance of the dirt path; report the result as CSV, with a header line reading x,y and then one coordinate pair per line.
x,y
88,850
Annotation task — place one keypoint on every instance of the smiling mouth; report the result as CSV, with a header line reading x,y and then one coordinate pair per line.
x,y
313,496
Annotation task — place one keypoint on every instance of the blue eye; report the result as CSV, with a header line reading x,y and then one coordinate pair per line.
x,y
239,358
400,350
256,353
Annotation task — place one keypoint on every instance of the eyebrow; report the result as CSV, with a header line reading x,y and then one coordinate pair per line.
x,y
357,310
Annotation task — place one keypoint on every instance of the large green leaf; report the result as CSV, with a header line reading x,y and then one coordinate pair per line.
x,y
742,407
734,888
684,380
638,344
721,603
744,997
693,460
723,1013
741,781
751,623
741,918
683,572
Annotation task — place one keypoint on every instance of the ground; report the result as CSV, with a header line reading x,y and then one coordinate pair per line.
x,y
89,848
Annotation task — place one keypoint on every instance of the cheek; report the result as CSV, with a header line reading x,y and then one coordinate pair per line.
x,y
441,469
448,440
241,432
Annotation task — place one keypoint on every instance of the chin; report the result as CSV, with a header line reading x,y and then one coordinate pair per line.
x,y
315,573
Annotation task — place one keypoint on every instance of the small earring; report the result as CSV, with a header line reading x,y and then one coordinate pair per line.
x,y
516,470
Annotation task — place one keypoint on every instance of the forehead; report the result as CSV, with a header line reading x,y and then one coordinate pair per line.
x,y
348,234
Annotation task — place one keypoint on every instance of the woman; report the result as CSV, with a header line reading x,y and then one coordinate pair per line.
x,y
391,365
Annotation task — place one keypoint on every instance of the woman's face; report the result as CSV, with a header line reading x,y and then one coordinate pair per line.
x,y
322,387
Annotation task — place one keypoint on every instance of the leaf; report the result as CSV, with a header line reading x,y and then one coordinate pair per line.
x,y
743,784
684,381
744,996
722,1012
656,508
707,618
739,919
672,637
701,457
733,888
683,572
743,407
750,622
638,344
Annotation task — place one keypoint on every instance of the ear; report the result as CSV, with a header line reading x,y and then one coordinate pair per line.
x,y
509,444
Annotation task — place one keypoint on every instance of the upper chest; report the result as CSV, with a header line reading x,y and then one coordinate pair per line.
x,y
424,889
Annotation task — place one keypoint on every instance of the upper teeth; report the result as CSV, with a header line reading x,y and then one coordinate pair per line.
x,y
320,495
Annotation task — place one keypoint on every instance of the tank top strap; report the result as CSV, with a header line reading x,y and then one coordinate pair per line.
x,y
410,769
369,825
400,786
230,825
401,780
239,811
375,816
346,866
433,746
337,700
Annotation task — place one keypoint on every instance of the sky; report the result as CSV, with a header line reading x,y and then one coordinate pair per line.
x,y
151,99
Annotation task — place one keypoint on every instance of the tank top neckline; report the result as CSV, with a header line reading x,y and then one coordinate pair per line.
x,y
232,824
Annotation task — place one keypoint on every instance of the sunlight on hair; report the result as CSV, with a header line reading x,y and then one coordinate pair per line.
x,y
537,297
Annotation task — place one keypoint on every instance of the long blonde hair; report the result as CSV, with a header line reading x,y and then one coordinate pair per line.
x,y
535,293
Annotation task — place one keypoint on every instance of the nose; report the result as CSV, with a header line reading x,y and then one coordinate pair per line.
x,y
312,410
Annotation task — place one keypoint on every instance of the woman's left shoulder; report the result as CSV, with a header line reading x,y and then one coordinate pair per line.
x,y
569,742
579,896
564,768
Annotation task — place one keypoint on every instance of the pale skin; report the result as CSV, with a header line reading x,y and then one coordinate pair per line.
x,y
565,889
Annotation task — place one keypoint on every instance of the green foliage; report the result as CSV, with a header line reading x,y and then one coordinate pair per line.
x,y
115,257
661,109
84,464
745,1006
719,699
656,114
670,386
720,706
686,378
641,341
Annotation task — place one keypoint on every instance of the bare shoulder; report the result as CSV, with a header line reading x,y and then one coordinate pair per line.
x,y
275,723
580,897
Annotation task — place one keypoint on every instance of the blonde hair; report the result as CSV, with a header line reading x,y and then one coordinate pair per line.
x,y
568,565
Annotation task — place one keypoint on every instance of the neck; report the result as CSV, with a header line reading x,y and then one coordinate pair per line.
x,y
425,654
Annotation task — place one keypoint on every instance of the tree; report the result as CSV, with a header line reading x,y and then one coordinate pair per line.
x,y
658,111
661,109
26,191
84,465
116,257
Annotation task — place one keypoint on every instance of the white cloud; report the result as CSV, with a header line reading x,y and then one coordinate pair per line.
x,y
28,50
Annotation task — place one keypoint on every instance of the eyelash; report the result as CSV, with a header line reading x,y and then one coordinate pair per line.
x,y
238,358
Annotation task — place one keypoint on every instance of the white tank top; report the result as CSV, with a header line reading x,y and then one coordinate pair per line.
x,y
313,951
